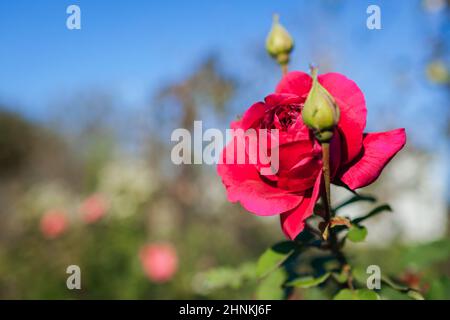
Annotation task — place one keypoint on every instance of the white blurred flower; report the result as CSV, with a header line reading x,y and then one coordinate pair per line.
x,y
45,196
128,183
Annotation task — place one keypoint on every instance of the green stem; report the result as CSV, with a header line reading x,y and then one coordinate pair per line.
x,y
326,198
326,176
284,69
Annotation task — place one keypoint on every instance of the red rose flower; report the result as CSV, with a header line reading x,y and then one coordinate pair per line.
x,y
356,158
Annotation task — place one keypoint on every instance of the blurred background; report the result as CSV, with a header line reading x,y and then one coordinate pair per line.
x,y
85,123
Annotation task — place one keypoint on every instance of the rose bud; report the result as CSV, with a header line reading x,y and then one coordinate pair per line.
x,y
320,111
437,72
279,42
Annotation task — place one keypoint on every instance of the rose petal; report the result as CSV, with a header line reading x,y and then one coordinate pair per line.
x,y
253,115
301,177
280,99
353,112
293,222
300,132
378,150
244,184
292,153
295,82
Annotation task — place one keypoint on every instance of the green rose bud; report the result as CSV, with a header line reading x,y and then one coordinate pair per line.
x,y
320,112
279,42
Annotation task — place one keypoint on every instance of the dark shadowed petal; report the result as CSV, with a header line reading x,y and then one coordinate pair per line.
x,y
293,222
302,176
335,153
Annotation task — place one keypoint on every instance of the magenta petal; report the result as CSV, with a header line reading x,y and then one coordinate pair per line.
x,y
244,184
279,99
293,222
302,177
261,199
353,112
295,82
378,150
253,115
292,153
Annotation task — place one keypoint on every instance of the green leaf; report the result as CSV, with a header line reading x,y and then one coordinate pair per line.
x,y
392,294
387,293
323,264
340,277
366,294
270,287
305,236
314,294
359,274
394,285
357,233
308,281
415,295
273,257
345,294
374,212
360,294
355,198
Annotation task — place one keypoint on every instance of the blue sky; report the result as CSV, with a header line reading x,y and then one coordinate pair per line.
x,y
134,47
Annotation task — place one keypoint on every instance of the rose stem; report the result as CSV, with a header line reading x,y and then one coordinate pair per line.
x,y
284,69
326,198
326,176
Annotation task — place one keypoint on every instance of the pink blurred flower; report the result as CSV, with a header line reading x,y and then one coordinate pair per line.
x,y
53,223
159,261
93,208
